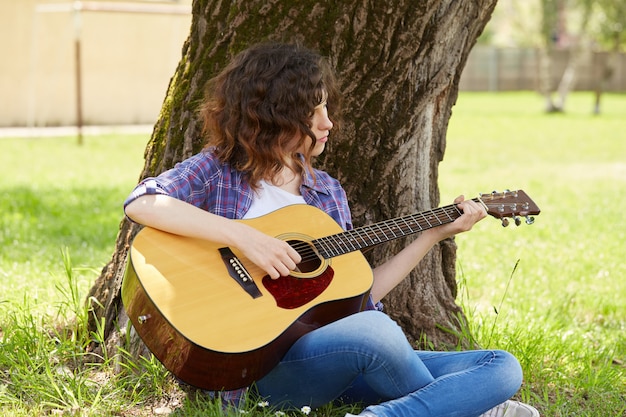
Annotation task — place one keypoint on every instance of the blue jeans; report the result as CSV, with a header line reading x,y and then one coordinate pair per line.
x,y
366,358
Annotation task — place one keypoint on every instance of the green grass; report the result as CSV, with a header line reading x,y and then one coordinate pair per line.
x,y
60,206
552,293
562,310
58,195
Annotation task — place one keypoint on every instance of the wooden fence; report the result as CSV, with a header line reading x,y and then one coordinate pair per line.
x,y
500,69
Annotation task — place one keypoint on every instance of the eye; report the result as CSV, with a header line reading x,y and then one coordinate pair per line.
x,y
322,105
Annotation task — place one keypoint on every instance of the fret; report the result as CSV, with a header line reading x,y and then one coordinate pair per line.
x,y
408,225
371,241
332,248
456,212
389,228
322,247
336,241
426,219
442,218
350,239
358,238
436,217
382,232
374,235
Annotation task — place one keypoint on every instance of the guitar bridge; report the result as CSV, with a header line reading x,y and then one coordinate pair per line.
x,y
239,272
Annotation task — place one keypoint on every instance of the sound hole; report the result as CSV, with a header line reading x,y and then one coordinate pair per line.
x,y
311,261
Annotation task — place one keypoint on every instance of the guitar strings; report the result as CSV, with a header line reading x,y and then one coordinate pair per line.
x,y
377,233
371,235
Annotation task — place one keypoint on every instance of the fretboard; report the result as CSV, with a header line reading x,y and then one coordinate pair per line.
x,y
377,233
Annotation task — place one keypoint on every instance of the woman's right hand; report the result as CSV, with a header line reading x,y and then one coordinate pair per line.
x,y
274,256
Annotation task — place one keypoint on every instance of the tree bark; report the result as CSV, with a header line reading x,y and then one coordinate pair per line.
x,y
399,64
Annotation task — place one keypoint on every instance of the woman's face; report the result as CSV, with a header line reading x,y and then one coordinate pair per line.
x,y
320,126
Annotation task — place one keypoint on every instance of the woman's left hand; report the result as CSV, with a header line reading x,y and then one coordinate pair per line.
x,y
388,275
473,212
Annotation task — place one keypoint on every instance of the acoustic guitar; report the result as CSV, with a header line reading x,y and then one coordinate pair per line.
x,y
217,321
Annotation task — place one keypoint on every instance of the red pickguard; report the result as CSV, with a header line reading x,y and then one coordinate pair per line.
x,y
291,292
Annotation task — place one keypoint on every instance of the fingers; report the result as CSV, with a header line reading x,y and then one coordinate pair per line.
x,y
282,261
472,213
473,208
274,256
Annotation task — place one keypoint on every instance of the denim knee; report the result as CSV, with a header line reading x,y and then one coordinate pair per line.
x,y
381,331
511,370
382,341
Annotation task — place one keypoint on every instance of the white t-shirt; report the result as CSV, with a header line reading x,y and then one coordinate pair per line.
x,y
269,198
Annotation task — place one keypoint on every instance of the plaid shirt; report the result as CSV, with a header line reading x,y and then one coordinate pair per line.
x,y
205,182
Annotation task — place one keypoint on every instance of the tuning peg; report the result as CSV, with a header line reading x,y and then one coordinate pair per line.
x,y
505,222
518,221
530,219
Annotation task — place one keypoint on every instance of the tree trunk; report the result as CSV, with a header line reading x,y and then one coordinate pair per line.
x,y
578,53
399,64
549,34
607,69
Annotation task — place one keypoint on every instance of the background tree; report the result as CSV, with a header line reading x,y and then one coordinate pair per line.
x,y
548,29
600,23
556,34
611,25
399,64
578,52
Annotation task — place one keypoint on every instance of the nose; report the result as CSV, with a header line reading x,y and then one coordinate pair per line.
x,y
324,122
328,124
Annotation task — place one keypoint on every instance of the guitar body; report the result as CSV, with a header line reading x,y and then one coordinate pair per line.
x,y
207,329
216,321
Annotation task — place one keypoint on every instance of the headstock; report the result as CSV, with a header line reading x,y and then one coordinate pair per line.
x,y
510,204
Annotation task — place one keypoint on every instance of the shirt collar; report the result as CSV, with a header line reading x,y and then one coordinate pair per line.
x,y
315,182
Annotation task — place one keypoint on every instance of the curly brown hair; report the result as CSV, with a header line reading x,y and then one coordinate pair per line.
x,y
263,100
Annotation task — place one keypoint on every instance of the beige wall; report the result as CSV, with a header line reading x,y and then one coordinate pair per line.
x,y
127,61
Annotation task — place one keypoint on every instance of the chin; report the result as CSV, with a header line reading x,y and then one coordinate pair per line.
x,y
319,149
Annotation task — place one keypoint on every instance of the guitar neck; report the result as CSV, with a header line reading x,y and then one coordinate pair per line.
x,y
385,231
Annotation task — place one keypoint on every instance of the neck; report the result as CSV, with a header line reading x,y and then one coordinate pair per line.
x,y
288,180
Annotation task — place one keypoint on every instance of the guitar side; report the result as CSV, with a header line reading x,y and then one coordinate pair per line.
x,y
201,324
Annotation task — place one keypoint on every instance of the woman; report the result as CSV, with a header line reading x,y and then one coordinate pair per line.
x,y
266,115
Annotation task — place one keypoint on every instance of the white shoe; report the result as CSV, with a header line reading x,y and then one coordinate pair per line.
x,y
512,409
